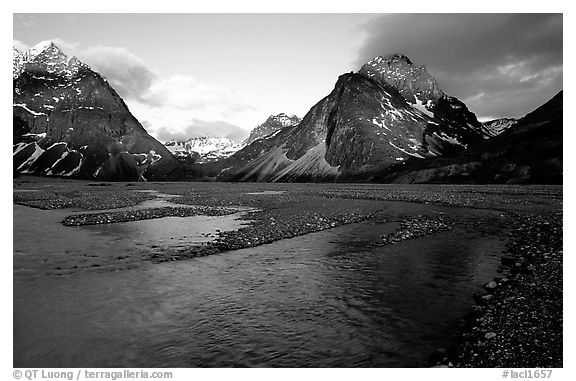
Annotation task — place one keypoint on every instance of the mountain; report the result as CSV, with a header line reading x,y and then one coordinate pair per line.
x,y
495,127
528,153
203,149
271,125
69,121
365,124
421,90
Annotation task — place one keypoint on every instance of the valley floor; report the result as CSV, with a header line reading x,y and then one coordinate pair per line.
x,y
518,323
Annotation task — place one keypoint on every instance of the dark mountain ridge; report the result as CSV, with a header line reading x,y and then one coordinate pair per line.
x,y
67,118
530,152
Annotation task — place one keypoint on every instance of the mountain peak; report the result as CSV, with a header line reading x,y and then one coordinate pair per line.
x,y
44,57
414,82
283,119
272,124
393,58
42,47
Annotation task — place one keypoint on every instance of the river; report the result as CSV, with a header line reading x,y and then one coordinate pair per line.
x,y
326,299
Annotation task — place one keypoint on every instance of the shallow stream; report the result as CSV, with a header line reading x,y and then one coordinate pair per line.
x,y
326,299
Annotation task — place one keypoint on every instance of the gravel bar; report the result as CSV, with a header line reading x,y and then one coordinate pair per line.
x,y
143,214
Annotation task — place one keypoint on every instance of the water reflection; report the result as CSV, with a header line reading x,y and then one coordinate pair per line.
x,y
172,232
324,299
43,245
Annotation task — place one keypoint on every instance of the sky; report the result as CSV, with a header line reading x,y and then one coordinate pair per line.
x,y
188,75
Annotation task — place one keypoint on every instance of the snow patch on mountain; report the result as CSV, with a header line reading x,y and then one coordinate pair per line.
x,y
449,139
23,105
64,154
39,48
413,154
73,171
423,108
32,158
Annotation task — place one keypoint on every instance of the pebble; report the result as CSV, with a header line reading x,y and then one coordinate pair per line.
x,y
490,286
490,335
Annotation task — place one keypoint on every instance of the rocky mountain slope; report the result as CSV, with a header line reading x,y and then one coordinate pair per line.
x,y
271,125
386,113
421,90
68,121
528,153
495,127
203,149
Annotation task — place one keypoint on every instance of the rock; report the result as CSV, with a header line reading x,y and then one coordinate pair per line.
x,y
490,286
490,335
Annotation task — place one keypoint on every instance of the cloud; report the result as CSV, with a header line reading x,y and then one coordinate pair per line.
x,y
499,64
133,79
127,73
187,93
181,107
166,122
201,128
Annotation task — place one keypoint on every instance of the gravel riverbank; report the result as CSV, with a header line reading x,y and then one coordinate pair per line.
x,y
518,321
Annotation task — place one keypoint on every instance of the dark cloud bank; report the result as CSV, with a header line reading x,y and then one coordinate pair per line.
x,y
499,64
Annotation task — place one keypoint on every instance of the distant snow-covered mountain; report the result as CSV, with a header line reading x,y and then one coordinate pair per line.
x,y
209,148
203,149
